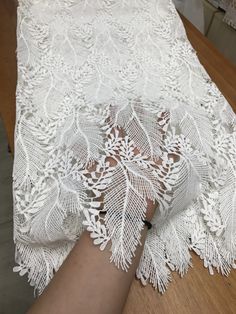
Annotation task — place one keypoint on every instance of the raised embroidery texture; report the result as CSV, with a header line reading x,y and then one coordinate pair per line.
x,y
114,108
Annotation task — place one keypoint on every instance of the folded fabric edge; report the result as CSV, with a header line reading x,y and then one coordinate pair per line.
x,y
41,263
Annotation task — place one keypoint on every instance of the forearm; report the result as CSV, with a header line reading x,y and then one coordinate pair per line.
x,y
87,282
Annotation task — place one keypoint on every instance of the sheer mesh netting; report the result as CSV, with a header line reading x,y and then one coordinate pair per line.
x,y
114,110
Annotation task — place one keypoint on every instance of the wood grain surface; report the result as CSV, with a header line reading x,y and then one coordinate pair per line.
x,y
198,291
8,68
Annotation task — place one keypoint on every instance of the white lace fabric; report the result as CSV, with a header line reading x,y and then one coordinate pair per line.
x,y
118,80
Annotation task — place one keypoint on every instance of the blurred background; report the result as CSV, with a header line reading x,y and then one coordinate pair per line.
x,y
216,19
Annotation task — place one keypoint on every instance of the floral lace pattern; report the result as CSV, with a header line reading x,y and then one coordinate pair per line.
x,y
115,80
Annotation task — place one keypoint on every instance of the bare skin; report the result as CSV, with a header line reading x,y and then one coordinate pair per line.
x,y
87,282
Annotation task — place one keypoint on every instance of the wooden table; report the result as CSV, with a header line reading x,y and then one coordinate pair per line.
x,y
8,66
198,292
